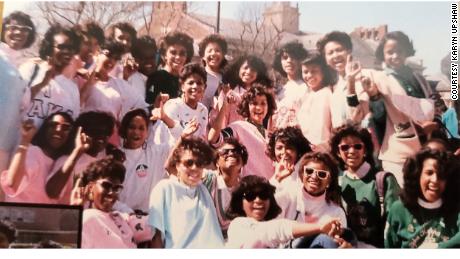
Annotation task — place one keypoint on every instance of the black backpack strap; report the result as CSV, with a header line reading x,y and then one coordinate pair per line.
x,y
380,185
34,74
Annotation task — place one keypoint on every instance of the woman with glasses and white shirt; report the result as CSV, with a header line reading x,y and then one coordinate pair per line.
x,y
181,210
352,147
316,200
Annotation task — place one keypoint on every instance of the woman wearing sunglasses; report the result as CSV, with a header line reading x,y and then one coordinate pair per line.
x,y
253,209
352,147
103,227
285,147
231,157
316,200
181,210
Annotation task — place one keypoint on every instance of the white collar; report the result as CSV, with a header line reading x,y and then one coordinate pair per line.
x,y
430,205
361,172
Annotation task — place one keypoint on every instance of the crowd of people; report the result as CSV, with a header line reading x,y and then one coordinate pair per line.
x,y
167,153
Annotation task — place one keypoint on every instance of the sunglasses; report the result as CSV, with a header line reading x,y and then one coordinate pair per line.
x,y
108,186
226,151
64,46
190,162
20,28
251,196
321,174
346,147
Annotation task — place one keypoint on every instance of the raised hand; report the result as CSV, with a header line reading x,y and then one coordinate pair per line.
x,y
82,141
78,194
129,67
283,169
331,228
369,86
158,113
190,128
28,131
353,68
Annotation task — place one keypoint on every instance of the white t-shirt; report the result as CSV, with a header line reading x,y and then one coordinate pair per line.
x,y
212,83
144,169
288,102
61,94
137,82
177,110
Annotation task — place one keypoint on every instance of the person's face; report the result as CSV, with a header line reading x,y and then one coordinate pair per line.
x,y
57,132
256,204
229,157
193,89
258,109
213,56
85,50
105,193
147,64
290,65
352,151
175,58
432,184
336,56
109,64
16,34
286,153
99,135
136,133
124,38
393,55
62,50
313,76
189,169
316,178
247,74
94,45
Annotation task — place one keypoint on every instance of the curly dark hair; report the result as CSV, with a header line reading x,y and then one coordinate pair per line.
x,y
125,27
141,44
333,193
197,146
231,74
291,137
356,131
234,142
402,39
89,121
190,69
448,168
250,95
21,18
294,49
114,49
248,184
47,44
179,38
129,116
219,40
338,36
93,29
329,76
40,137
104,168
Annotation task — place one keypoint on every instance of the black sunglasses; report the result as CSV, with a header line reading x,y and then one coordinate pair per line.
x,y
190,162
226,151
108,186
346,147
251,196
64,46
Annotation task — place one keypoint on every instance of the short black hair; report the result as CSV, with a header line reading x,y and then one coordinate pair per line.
x,y
352,129
93,29
129,116
179,38
125,27
197,146
234,142
191,69
219,40
47,44
291,137
402,39
114,49
294,49
140,45
338,36
25,19
329,77
104,168
247,184
88,120
250,95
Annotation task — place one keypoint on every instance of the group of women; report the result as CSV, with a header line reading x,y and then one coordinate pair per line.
x,y
212,155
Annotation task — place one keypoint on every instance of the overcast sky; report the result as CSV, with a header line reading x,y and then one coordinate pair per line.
x,y
426,23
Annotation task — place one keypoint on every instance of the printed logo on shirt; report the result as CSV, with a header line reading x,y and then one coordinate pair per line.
x,y
41,110
141,170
